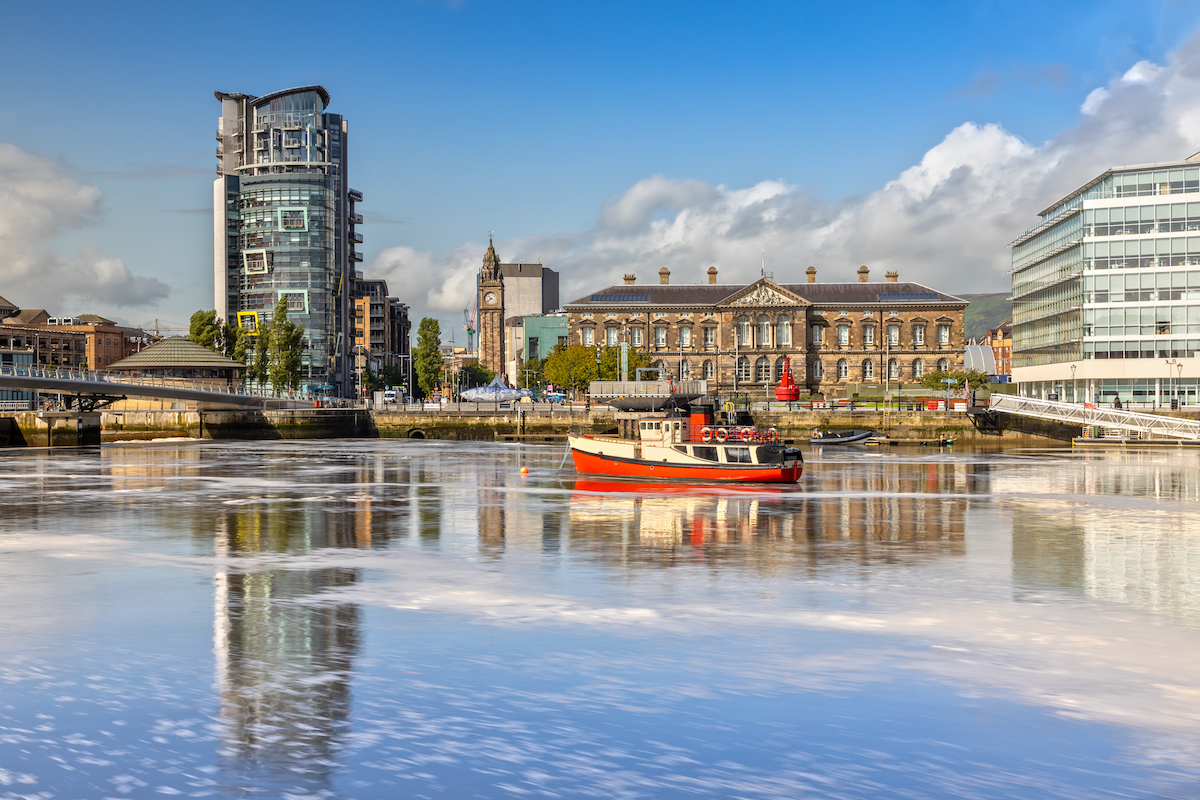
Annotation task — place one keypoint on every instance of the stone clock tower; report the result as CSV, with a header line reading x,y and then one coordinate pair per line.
x,y
491,313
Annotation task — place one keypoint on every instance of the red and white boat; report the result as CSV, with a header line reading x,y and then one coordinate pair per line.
x,y
682,448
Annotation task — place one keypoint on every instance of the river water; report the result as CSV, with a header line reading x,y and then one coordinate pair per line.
x,y
382,619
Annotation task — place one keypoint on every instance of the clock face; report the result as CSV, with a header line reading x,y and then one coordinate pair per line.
x,y
490,297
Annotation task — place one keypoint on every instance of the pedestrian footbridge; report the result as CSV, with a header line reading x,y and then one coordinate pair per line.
x,y
95,389
1138,424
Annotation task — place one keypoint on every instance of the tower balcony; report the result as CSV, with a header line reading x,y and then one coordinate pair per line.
x,y
355,255
356,238
355,195
356,219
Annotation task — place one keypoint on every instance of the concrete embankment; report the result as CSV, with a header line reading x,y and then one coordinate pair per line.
x,y
65,429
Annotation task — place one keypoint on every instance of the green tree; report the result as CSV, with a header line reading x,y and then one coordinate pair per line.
x,y
572,367
428,356
239,346
228,340
205,329
285,345
532,374
393,376
610,363
372,381
260,366
933,380
475,374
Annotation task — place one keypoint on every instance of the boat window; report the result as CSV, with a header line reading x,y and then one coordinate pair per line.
x,y
707,453
658,426
676,426
737,455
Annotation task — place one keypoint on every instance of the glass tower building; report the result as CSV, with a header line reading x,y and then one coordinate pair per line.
x,y
285,224
1106,290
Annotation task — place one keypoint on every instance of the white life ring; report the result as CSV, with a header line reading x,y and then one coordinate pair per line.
x,y
721,434
773,435
706,434
748,434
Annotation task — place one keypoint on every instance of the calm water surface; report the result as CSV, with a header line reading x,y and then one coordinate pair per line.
x,y
380,619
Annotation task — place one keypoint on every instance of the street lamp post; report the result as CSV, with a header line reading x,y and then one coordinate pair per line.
x,y
1073,391
1170,363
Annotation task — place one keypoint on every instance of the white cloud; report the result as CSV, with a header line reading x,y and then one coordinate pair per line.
x,y
38,201
1094,100
944,222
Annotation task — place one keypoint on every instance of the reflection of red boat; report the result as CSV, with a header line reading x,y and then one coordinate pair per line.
x,y
659,489
676,448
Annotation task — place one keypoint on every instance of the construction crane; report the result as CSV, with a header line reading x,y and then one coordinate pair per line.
x,y
469,315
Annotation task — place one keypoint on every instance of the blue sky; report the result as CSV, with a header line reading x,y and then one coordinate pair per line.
x,y
602,137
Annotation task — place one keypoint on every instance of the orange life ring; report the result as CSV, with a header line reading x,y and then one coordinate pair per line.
x,y
706,434
747,434
721,434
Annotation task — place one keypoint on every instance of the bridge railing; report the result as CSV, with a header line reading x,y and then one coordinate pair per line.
x,y
1086,414
122,379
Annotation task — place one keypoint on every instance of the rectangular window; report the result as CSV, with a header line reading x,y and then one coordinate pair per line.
x,y
737,455
610,336
918,334
685,336
843,335
587,336
893,335
868,335
533,348
818,334
660,336
943,334
706,453
710,337
635,337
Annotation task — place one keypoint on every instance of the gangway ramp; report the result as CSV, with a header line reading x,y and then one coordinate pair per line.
x,y
1146,425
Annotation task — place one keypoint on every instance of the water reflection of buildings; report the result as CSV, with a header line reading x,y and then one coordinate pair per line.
x,y
1134,549
284,653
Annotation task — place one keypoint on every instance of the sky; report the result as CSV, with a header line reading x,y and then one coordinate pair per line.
x,y
599,138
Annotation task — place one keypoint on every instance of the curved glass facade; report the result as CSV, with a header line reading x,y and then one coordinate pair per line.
x,y
285,226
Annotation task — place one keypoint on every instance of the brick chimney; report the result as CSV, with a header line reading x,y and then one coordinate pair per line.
x,y
630,278
812,274
664,276
863,274
712,275
892,275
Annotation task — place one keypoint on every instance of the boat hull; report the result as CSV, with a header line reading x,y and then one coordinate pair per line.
x,y
593,464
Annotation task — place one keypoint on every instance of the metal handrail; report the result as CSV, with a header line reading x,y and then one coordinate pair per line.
x,y
122,379
1086,414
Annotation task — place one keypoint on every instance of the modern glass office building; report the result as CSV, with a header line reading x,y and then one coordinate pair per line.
x,y
1106,290
285,224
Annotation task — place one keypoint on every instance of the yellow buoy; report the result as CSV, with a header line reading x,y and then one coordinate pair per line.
x,y
524,470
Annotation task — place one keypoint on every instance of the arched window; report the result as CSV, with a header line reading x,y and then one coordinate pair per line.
x,y
918,368
745,333
779,369
893,368
818,370
685,371
843,369
764,330
783,332
762,369
868,368
743,369
709,371
662,370
943,365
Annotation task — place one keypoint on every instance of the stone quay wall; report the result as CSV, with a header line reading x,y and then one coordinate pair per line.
x,y
65,429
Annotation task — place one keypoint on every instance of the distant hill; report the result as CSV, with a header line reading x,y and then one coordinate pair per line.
x,y
985,312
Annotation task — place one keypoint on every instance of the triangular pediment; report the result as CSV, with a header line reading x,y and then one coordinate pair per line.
x,y
764,293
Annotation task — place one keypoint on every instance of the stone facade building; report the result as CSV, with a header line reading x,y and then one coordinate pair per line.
x,y
738,337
